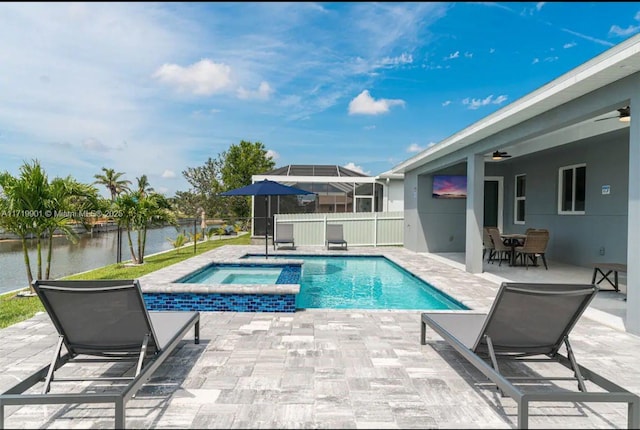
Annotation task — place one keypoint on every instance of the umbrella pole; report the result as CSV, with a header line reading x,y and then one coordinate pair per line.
x,y
266,227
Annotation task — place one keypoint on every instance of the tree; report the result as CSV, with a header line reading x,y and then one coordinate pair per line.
x,y
240,163
68,203
206,184
139,212
33,207
112,181
12,217
143,185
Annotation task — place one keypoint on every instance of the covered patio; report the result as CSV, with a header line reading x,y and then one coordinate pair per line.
x,y
565,158
608,308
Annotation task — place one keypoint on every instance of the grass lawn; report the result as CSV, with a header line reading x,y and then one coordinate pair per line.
x,y
14,309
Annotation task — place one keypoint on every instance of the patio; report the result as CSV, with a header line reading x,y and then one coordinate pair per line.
x,y
321,368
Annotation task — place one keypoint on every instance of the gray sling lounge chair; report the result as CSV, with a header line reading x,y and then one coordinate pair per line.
x,y
529,320
335,236
107,319
284,234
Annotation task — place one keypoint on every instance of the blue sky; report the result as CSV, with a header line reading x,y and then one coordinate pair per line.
x,y
154,88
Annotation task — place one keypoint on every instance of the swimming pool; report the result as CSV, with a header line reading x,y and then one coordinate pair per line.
x,y
363,282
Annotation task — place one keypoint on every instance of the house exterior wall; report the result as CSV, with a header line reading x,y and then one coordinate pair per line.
x,y
394,196
576,239
437,225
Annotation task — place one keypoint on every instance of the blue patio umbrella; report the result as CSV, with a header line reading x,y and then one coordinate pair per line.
x,y
265,188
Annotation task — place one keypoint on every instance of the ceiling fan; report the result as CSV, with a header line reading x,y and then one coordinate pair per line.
x,y
499,155
624,115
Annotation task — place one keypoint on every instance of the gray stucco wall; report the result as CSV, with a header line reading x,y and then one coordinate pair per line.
x,y
436,225
576,239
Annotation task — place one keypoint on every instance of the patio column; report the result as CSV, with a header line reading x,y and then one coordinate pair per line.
x,y
633,220
475,213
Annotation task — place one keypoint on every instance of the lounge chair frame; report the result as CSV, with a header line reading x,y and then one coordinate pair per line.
x,y
146,362
507,385
335,236
284,235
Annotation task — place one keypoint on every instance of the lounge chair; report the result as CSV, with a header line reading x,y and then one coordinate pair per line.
x,y
107,319
335,236
529,320
284,234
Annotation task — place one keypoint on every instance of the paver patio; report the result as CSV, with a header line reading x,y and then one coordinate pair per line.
x,y
322,368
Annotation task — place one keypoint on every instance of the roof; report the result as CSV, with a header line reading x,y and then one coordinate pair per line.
x,y
314,170
614,64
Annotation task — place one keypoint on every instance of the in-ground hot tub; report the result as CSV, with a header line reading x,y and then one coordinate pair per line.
x,y
243,286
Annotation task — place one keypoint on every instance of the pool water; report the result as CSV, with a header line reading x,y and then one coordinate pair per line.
x,y
354,282
234,275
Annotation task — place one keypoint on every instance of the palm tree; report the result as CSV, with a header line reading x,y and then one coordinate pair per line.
x,y
140,212
69,202
24,200
111,180
143,186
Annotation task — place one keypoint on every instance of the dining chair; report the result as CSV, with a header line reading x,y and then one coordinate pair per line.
x,y
535,244
501,250
487,244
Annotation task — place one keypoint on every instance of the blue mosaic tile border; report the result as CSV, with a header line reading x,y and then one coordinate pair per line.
x,y
290,275
220,302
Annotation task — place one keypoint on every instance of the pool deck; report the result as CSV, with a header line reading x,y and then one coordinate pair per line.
x,y
322,368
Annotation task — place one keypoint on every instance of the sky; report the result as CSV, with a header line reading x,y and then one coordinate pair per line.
x,y
155,88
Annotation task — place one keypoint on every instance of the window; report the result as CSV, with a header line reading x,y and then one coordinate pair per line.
x,y
572,189
519,200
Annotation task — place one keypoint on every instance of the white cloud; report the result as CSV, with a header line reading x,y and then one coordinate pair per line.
x,y
202,78
619,31
453,55
414,147
369,127
446,103
477,103
569,45
551,59
92,144
539,5
468,54
273,154
535,60
366,105
404,58
352,166
492,50
263,92
168,174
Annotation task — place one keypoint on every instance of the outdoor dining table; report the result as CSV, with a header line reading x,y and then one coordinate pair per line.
x,y
512,240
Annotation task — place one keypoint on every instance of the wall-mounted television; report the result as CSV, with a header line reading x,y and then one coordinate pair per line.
x,y
449,187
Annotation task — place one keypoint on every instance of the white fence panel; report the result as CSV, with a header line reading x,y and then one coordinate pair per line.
x,y
360,229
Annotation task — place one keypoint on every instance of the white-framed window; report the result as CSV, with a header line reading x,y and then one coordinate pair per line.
x,y
572,187
519,199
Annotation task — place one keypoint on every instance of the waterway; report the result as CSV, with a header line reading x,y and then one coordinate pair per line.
x,y
90,252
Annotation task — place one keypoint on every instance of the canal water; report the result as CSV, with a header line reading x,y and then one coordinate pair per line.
x,y
90,252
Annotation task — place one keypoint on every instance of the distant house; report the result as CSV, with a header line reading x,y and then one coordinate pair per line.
x,y
565,157
336,190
